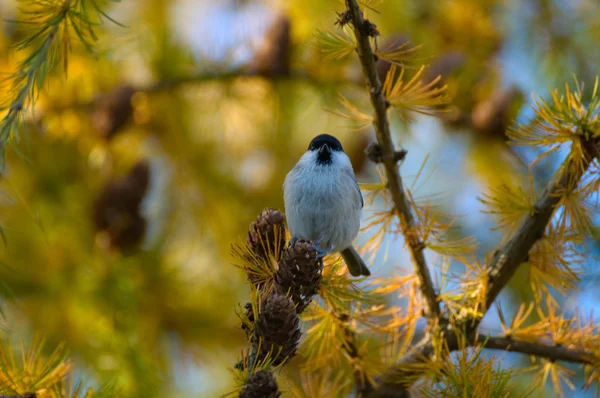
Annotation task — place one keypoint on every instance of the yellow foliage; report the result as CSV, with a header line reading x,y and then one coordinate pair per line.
x,y
564,120
559,375
510,204
335,46
35,373
413,95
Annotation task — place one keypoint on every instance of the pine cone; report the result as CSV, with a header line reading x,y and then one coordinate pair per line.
x,y
277,328
267,233
250,315
262,384
117,208
113,110
491,117
273,57
299,274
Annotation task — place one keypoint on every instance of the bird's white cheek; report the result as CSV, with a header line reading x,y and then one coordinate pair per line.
x,y
341,160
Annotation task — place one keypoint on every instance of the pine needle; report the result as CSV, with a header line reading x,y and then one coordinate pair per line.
x,y
322,384
413,95
563,120
47,43
353,113
555,261
33,371
510,204
559,375
470,373
335,46
398,54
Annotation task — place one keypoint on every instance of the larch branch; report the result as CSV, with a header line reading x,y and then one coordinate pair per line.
x,y
204,77
506,260
553,352
501,268
362,29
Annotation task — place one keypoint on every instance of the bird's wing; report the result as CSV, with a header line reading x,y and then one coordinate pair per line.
x,y
362,202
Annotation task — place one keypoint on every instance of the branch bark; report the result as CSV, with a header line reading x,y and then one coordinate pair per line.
x,y
553,352
168,84
391,385
362,29
26,395
506,260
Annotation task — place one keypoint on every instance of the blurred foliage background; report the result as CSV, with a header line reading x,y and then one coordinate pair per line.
x,y
138,169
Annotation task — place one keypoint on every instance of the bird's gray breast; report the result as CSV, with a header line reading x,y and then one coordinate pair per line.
x,y
323,203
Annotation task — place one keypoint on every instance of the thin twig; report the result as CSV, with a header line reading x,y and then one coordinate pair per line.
x,y
553,352
26,395
362,29
203,77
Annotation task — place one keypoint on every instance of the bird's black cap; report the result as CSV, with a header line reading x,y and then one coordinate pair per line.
x,y
320,140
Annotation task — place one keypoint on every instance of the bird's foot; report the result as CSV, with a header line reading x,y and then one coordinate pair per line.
x,y
320,252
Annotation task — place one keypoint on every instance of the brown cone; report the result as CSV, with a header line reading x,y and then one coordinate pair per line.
x,y
113,110
117,208
267,233
492,116
272,59
250,315
262,384
299,273
277,329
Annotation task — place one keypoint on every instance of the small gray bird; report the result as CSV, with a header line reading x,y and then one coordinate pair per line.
x,y
323,201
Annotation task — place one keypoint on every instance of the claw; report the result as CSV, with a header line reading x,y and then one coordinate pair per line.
x,y
320,252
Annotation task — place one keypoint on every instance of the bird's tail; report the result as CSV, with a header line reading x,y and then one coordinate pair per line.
x,y
356,265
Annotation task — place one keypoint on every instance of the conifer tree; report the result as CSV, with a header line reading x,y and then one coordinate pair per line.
x,y
105,275
541,231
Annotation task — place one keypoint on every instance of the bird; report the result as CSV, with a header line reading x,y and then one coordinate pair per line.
x,y
323,202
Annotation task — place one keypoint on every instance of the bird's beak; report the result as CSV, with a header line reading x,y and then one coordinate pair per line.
x,y
324,149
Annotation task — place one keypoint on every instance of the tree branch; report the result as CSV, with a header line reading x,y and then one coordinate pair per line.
x,y
506,259
553,352
168,84
26,395
395,383
362,29
503,263
501,268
